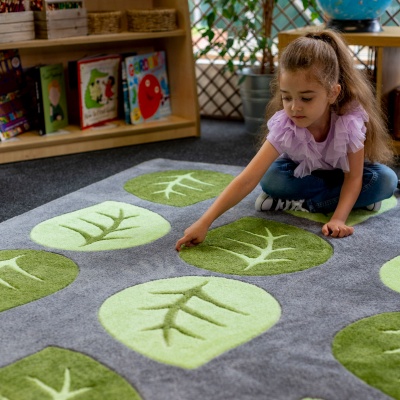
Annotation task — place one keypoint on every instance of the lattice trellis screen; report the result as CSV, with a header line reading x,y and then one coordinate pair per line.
x,y
218,92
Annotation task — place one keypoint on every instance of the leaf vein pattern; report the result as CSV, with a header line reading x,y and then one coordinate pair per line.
x,y
12,264
65,393
174,307
177,181
104,229
392,332
264,252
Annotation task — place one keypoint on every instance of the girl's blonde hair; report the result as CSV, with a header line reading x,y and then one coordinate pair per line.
x,y
327,58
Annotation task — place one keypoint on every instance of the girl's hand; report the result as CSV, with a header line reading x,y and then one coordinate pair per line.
x,y
193,236
337,228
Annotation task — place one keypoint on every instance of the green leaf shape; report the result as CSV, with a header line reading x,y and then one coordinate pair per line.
x,y
255,246
28,275
355,217
109,225
390,274
187,321
370,349
59,374
179,188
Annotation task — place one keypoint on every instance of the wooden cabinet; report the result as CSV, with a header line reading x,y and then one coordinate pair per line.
x,y
387,45
184,121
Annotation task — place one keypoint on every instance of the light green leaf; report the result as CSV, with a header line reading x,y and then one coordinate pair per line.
x,y
28,275
188,321
178,188
107,226
370,349
254,246
60,374
390,274
355,217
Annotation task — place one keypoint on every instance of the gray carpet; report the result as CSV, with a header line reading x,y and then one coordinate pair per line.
x,y
291,358
29,184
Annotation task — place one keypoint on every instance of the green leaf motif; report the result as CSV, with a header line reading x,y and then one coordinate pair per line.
x,y
188,321
254,246
28,275
390,274
355,217
60,374
178,188
370,349
109,225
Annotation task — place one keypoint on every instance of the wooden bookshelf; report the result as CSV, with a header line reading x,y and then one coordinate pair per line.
x,y
184,121
387,45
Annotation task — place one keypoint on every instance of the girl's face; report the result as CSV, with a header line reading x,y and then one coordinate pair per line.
x,y
306,102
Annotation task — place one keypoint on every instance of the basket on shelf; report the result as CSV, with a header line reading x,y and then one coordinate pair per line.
x,y
101,22
151,20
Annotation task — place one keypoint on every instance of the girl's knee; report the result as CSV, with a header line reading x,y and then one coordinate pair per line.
x,y
383,179
388,180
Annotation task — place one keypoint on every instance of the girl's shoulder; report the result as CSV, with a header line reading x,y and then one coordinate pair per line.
x,y
349,132
352,123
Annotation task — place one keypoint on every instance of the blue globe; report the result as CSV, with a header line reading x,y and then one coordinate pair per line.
x,y
354,9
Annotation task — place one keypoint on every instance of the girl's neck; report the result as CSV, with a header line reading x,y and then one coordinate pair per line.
x,y
321,131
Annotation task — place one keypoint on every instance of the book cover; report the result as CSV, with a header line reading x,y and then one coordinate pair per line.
x,y
54,98
47,98
148,87
98,89
13,114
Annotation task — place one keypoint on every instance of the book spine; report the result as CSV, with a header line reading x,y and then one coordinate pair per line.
x,y
125,93
39,103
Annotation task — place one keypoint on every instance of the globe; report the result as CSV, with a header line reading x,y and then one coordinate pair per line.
x,y
362,14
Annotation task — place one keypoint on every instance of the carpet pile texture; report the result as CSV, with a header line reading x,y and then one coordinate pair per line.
x,y
95,303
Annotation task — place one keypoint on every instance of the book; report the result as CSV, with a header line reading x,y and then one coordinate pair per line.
x,y
148,87
98,83
13,114
50,101
125,88
125,93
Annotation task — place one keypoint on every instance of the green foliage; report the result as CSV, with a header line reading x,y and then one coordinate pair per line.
x,y
247,41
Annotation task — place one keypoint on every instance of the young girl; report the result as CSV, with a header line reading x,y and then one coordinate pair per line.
x,y
326,145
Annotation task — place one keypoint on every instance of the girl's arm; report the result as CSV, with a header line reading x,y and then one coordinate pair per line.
x,y
349,193
239,188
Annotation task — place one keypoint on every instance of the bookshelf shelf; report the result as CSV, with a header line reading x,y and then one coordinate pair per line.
x,y
184,121
114,134
92,39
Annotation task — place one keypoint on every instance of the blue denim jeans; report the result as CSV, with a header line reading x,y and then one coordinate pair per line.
x,y
321,189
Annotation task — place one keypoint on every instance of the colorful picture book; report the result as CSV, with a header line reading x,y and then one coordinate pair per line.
x,y
149,96
13,114
50,112
98,89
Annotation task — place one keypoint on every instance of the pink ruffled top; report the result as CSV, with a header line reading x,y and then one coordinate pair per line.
x,y
346,135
